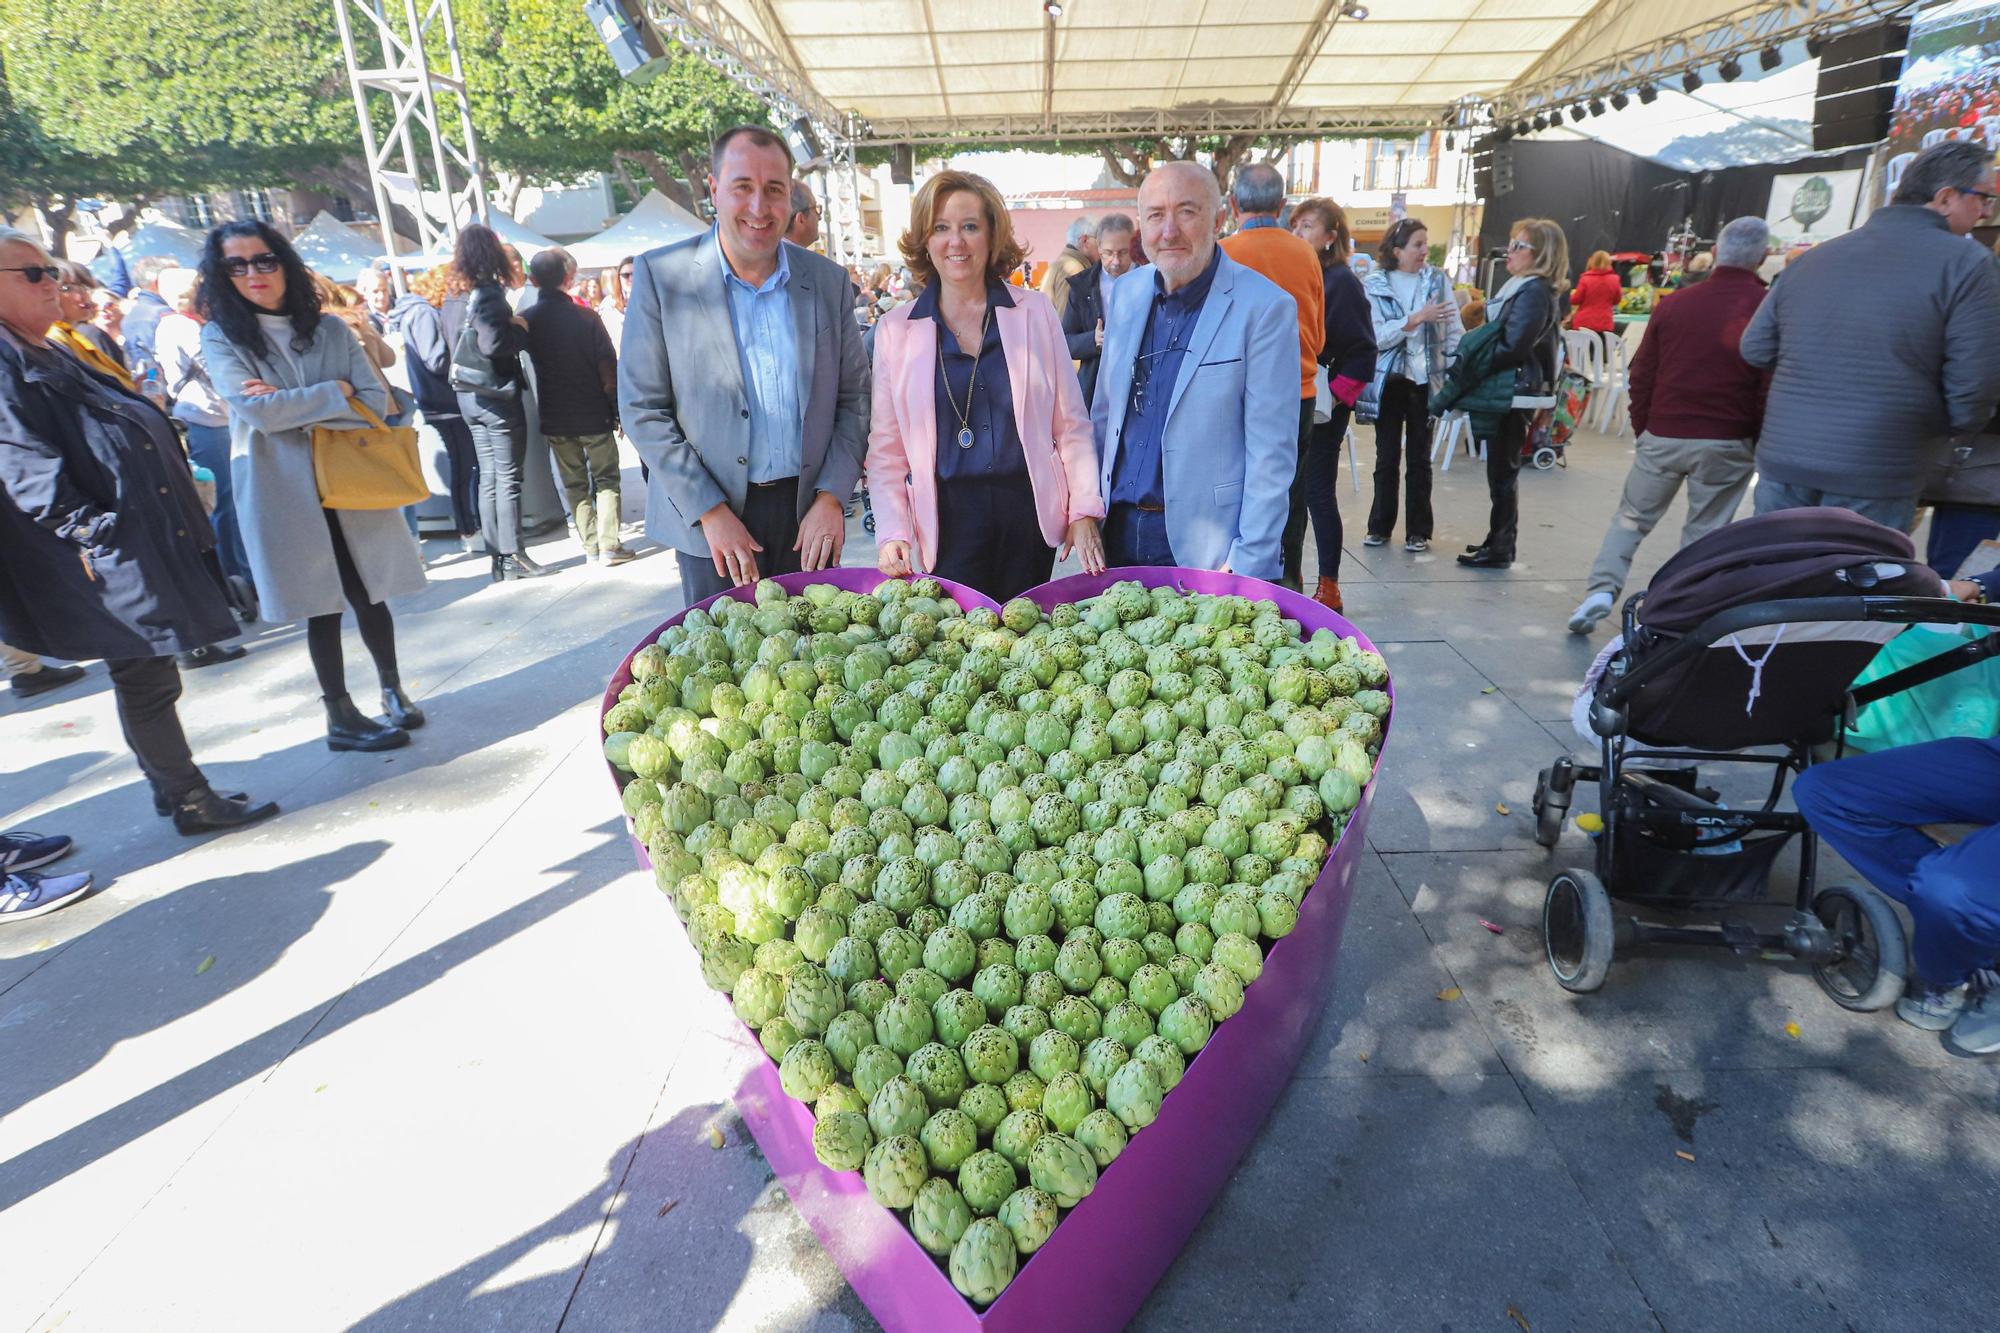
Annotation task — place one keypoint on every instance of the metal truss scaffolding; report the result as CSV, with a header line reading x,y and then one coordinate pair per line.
x,y
438,180
1548,83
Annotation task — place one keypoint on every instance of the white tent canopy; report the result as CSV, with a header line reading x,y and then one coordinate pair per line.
x,y
657,221
331,247
523,238
950,70
167,239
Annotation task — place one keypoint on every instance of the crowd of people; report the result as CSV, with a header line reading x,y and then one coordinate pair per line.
x,y
1158,397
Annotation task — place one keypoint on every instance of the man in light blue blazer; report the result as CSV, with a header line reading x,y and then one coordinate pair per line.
x,y
1197,404
743,384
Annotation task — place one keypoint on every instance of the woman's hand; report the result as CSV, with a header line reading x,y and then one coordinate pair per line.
x,y
257,388
1965,590
1084,538
893,559
346,389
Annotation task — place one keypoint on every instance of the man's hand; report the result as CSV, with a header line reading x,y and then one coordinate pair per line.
x,y
822,533
893,559
1965,590
1100,333
730,545
1088,543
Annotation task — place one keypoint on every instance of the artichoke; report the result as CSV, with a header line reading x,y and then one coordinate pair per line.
x,y
1165,1058
1017,1134
982,1263
873,1067
938,1072
841,1141
1067,1100
949,1137
1134,1095
894,1171
1103,1135
956,1015
1220,990
1187,1024
939,1216
991,1055
811,999
839,1097
759,996
986,1104
904,1025
1101,1059
897,1109
1061,1166
1030,1216
806,1070
986,1179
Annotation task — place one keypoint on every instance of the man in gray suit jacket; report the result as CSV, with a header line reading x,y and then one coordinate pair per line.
x,y
1197,404
743,384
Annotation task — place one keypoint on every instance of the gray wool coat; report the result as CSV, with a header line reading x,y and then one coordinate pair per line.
x,y
270,464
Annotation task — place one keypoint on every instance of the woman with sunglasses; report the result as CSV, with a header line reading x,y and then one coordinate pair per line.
x,y
285,366
102,538
76,334
1528,308
486,370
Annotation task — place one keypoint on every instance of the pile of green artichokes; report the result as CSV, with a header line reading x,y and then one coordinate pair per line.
x,y
984,884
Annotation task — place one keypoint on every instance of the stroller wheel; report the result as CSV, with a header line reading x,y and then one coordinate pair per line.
x,y
1545,458
1871,955
868,521
1577,930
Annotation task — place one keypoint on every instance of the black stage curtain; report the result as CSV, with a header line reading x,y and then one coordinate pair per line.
x,y
1608,199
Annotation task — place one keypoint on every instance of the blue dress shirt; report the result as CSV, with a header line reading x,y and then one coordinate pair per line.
x,y
767,344
996,439
1252,224
1138,476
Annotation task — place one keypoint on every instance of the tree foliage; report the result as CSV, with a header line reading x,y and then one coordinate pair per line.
x,y
549,105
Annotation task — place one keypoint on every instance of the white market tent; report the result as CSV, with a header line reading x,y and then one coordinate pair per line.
x,y
331,247
167,239
656,221
522,237
949,71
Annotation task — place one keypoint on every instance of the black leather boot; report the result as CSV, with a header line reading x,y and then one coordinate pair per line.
x,y
347,729
1485,557
164,807
397,709
520,567
203,810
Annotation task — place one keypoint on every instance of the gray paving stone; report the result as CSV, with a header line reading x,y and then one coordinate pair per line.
x,y
1406,1203
1817,1198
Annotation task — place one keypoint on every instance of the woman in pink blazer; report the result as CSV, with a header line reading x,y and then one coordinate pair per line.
x,y
980,459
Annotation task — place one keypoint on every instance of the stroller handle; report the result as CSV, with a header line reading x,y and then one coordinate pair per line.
x,y
1892,610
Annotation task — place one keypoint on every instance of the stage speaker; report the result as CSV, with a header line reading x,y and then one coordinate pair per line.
x,y
903,165
1857,86
1493,171
635,48
807,152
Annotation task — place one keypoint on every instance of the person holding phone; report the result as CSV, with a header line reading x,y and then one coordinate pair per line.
x,y
1417,328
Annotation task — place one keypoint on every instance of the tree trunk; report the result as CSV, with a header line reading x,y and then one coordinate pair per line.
x,y
660,174
507,187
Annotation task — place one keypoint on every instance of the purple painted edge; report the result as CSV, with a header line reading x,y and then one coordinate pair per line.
x,y
1112,1249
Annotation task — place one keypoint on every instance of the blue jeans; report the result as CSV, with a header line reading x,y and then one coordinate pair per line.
x,y
1132,536
209,446
1775,495
1955,532
1869,809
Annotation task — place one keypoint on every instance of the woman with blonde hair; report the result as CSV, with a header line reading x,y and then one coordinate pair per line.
x,y
1528,310
77,334
980,458
1349,357
1597,294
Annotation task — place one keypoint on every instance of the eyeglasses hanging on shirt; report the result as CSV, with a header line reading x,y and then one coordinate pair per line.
x,y
1142,371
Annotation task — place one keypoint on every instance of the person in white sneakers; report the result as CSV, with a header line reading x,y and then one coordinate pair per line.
x,y
24,894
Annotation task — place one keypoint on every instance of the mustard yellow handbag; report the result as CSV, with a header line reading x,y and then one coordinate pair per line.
x,y
375,468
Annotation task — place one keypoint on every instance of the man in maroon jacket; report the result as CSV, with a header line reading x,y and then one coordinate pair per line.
x,y
1696,404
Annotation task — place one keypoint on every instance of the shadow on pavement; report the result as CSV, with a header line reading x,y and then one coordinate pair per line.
x,y
77,1147
680,1259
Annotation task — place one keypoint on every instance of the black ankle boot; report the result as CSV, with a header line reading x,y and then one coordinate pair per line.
x,y
398,710
164,807
520,567
347,729
499,567
204,810
1485,557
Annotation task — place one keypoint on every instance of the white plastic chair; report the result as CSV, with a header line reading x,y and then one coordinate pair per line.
x,y
1452,428
1608,407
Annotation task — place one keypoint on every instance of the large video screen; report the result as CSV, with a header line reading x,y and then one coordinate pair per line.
x,y
1950,85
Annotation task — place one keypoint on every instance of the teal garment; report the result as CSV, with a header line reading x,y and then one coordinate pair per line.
x,y
1472,387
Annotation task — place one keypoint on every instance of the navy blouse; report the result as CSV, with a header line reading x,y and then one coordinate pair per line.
x,y
995,450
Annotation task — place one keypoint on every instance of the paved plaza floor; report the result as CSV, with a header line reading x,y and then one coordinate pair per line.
x,y
411,1056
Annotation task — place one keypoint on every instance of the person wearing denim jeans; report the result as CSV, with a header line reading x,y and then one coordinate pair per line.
x,y
201,413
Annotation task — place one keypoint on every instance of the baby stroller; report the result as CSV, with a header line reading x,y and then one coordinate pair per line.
x,y
1749,638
